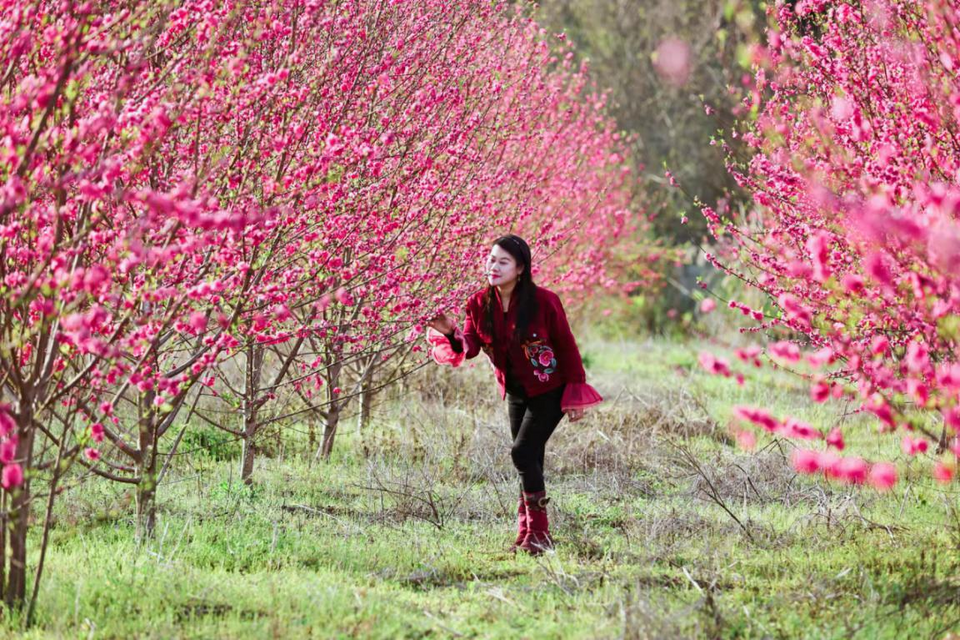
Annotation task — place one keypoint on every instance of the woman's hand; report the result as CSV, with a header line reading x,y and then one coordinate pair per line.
x,y
442,323
575,414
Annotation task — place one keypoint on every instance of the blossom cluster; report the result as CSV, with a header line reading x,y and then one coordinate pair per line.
x,y
851,118
182,180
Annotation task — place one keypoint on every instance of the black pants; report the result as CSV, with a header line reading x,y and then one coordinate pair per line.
x,y
532,422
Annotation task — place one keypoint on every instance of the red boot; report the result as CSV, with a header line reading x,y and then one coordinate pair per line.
x,y
538,537
521,523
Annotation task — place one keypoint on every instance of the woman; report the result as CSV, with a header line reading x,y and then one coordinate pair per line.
x,y
523,330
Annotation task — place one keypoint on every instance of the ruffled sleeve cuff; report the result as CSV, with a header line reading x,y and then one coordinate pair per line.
x,y
442,352
579,395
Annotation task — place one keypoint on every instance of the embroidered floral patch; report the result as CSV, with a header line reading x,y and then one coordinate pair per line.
x,y
542,358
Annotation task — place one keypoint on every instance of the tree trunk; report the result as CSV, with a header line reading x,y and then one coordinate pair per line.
x,y
330,430
247,456
312,433
5,516
147,502
147,487
366,400
15,590
335,406
251,407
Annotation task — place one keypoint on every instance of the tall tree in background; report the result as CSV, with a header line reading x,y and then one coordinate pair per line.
x,y
666,64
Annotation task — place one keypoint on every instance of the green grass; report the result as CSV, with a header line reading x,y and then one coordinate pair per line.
x,y
404,533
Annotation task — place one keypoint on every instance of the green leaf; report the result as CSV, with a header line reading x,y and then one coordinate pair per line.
x,y
948,327
743,56
730,9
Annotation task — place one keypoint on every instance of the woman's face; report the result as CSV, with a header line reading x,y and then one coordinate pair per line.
x,y
502,268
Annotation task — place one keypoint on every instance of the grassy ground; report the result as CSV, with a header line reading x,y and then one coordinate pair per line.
x,y
665,529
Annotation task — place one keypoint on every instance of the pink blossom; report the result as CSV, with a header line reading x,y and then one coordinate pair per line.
x,y
913,446
818,246
94,277
951,418
714,365
917,359
7,424
852,283
882,476
794,428
707,305
343,297
785,351
919,391
835,439
799,269
759,417
794,309
746,439
8,451
948,376
672,61
879,406
12,476
880,346
819,392
805,461
198,321
842,108
827,461
750,355
91,454
852,470
944,246
281,313
943,473
877,269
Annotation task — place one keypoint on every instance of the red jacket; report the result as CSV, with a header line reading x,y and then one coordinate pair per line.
x,y
546,359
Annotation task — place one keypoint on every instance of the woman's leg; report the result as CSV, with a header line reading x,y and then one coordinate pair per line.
x,y
540,419
517,408
532,423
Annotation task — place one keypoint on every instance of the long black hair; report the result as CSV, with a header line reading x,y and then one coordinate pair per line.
x,y
525,292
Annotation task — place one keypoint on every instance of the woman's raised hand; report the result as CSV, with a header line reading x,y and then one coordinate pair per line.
x,y
442,323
